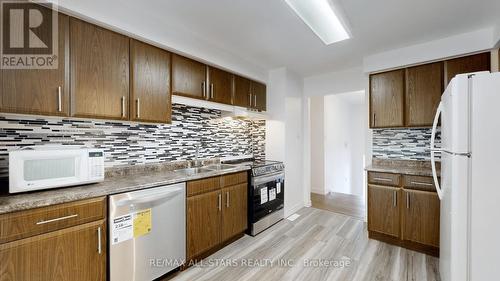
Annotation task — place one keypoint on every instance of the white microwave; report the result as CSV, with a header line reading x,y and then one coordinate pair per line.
x,y
50,167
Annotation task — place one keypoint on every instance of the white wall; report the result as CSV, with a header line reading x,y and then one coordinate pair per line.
x,y
344,146
317,151
349,80
475,41
284,133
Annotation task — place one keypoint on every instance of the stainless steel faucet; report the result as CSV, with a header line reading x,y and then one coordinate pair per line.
x,y
197,162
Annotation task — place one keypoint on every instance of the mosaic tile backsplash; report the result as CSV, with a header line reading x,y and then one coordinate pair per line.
x,y
130,143
405,144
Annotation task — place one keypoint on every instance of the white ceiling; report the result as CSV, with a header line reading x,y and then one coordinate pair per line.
x,y
270,35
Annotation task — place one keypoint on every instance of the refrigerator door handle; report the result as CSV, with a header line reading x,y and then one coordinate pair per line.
x,y
434,150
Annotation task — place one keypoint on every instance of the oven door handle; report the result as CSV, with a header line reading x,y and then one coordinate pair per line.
x,y
267,178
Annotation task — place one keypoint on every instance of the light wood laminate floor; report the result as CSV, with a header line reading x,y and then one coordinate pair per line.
x,y
346,204
317,235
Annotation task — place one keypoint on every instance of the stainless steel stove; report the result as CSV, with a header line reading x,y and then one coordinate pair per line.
x,y
266,193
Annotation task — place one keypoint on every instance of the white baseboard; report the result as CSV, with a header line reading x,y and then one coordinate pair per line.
x,y
290,211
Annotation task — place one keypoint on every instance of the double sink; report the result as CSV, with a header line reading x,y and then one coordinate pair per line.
x,y
205,169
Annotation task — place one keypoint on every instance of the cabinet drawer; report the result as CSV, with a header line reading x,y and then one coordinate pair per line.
x,y
22,224
419,183
384,178
233,179
201,186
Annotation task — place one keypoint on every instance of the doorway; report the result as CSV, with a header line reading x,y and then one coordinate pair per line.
x,y
338,134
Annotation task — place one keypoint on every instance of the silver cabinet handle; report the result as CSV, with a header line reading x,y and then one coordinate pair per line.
x,y
203,89
212,91
99,244
227,199
123,107
219,204
382,179
407,200
57,219
394,198
255,100
138,101
422,183
59,99
250,99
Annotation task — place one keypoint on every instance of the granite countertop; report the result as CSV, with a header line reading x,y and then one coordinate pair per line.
x,y
406,167
116,183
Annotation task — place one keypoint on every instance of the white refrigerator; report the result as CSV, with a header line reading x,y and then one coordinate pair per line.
x,y
470,178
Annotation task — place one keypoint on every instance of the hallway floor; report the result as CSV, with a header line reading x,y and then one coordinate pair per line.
x,y
339,203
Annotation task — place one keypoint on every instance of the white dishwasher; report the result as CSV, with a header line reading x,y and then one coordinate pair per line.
x,y
147,232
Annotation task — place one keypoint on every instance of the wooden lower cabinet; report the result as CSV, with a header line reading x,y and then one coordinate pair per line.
x,y
406,215
383,209
421,217
216,213
67,254
234,214
203,222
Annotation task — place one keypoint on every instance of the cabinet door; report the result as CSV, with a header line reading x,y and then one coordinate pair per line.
x,y
424,87
150,83
421,217
203,222
68,254
474,63
383,209
242,91
220,86
39,91
259,91
234,211
188,77
99,72
387,99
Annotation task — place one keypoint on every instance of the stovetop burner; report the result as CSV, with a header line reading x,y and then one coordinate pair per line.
x,y
260,167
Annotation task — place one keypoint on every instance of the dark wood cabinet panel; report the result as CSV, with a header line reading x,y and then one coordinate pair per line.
x,y
40,91
99,72
203,222
424,87
421,217
387,99
234,214
242,91
260,98
68,254
220,85
202,185
473,63
188,77
150,83
383,210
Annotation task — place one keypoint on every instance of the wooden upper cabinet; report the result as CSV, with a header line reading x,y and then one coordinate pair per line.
x,y
387,99
473,63
68,254
220,85
234,215
259,99
39,91
188,77
242,91
421,217
383,209
424,87
99,72
150,83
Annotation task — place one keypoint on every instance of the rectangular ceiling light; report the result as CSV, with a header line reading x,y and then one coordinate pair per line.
x,y
320,16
